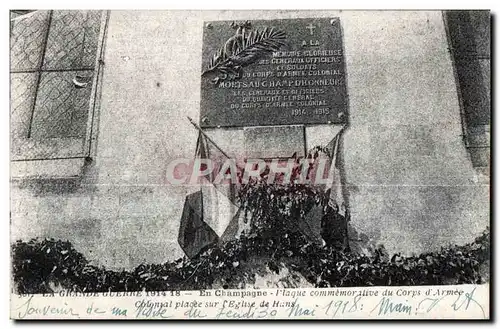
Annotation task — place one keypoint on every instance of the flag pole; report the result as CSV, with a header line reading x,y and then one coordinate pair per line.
x,y
207,137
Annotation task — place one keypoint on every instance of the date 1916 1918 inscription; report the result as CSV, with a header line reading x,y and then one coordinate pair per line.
x,y
273,72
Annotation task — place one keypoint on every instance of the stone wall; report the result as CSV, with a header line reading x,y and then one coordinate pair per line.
x,y
411,184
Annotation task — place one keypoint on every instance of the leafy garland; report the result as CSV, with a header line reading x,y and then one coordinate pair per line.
x,y
271,245
44,266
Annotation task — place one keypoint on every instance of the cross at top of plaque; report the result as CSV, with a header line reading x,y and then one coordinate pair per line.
x,y
276,72
311,28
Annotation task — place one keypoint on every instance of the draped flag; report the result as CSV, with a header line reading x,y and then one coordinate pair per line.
x,y
334,184
212,214
215,214
194,233
327,223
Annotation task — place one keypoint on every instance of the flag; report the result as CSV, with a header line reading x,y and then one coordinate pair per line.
x,y
334,184
215,204
194,233
320,222
219,198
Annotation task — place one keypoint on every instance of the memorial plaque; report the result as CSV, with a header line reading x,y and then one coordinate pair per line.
x,y
273,72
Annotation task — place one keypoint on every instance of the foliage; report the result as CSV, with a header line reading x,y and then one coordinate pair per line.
x,y
273,208
46,265
273,244
36,263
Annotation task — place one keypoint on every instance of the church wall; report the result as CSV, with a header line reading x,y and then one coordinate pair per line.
x,y
410,182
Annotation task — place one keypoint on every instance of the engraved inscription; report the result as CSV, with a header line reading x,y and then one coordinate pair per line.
x,y
300,80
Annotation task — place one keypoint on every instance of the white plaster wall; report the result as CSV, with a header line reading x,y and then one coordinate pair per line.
x,y
411,184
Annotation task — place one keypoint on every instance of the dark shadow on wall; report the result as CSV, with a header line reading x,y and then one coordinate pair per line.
x,y
351,234
469,44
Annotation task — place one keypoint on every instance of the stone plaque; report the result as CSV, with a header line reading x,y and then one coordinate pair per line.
x,y
273,72
273,142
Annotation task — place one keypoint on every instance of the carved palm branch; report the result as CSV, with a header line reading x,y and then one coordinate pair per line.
x,y
244,49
